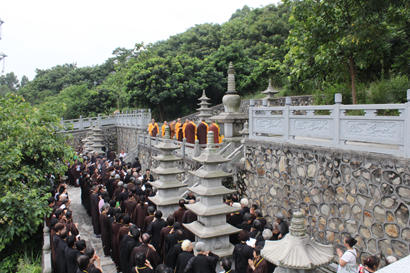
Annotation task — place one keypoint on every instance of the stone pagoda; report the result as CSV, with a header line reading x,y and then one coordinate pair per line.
x,y
204,110
231,118
98,140
296,252
211,226
87,144
270,92
167,185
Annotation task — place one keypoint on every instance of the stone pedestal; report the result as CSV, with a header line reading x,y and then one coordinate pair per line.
x,y
231,118
167,185
211,227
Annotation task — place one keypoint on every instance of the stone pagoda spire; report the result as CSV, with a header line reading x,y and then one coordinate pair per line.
x,y
231,118
204,110
211,227
167,185
296,252
98,140
270,93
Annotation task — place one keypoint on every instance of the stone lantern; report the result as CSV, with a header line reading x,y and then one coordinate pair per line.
x,y
296,252
270,92
98,140
204,110
231,118
167,185
211,227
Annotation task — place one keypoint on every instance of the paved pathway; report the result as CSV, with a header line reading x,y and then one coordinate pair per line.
x,y
85,227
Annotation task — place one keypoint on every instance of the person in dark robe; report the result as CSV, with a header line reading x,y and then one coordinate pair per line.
x,y
226,265
59,248
82,261
149,218
171,239
215,128
127,244
115,229
94,200
141,264
164,232
242,253
180,134
148,249
147,177
204,261
258,264
94,265
140,212
105,229
130,205
190,132
154,229
125,227
202,132
189,217
71,254
184,256
172,129
282,225
70,225
247,222
179,213
175,250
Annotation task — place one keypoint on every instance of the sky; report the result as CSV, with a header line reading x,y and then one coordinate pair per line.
x,y
44,33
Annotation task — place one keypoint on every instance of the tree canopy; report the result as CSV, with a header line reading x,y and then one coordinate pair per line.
x,y
304,46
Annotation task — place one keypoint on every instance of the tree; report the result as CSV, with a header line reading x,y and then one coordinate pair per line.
x,y
8,83
30,149
330,39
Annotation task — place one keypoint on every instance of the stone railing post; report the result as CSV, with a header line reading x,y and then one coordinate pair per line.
x,y
286,113
407,126
46,255
81,123
99,120
336,118
183,148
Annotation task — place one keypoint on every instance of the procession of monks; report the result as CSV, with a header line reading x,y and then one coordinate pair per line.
x,y
187,130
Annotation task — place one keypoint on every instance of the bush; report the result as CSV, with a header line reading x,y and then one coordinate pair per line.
x,y
388,91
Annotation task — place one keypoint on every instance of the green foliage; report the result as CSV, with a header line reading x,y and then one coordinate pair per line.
x,y
8,83
30,148
29,263
388,91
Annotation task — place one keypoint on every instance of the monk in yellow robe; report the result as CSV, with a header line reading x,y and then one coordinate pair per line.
x,y
165,125
153,128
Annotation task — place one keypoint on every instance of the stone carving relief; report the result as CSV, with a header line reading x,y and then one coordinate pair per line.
x,y
268,125
373,131
310,128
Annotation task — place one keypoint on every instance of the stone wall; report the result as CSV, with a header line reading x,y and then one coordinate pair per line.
x,y
342,192
127,138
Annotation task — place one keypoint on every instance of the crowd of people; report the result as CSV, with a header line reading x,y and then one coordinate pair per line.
x,y
187,130
136,236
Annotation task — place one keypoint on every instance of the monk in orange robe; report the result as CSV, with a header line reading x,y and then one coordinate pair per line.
x,y
153,128
165,125
178,129
190,131
172,129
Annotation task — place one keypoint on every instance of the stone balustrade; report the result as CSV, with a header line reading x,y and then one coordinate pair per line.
x,y
381,128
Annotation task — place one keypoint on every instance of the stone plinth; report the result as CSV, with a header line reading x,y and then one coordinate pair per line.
x,y
296,252
211,227
167,185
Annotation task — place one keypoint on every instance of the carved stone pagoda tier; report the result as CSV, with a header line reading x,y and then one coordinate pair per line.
x,y
231,118
296,252
98,139
270,93
168,193
211,226
204,110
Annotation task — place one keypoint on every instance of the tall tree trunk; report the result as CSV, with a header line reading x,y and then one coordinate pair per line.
x,y
352,72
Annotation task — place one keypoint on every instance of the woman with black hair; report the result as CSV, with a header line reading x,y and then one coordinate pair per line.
x,y
370,265
347,260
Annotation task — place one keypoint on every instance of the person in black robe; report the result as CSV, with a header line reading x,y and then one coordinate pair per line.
x,y
105,229
149,218
226,264
189,217
175,250
147,177
179,213
71,254
127,244
140,212
148,250
184,256
201,132
59,248
203,262
164,232
141,264
154,229
258,264
94,199
242,253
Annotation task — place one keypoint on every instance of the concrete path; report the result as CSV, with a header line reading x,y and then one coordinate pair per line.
x,y
85,227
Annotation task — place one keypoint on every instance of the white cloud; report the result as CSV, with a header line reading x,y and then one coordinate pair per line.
x,y
44,33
